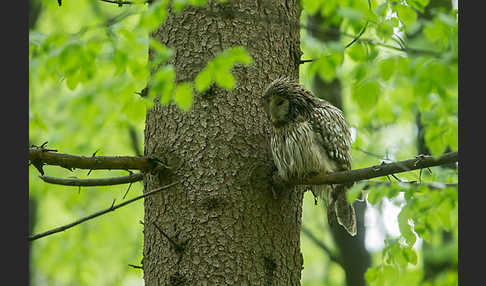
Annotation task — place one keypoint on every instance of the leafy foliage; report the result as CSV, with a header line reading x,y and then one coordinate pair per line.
x,y
87,60
403,63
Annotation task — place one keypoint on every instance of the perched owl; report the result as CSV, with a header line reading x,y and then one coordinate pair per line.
x,y
310,136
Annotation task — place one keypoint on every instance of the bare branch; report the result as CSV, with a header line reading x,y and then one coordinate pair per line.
x,y
93,182
358,36
134,140
118,2
88,162
384,169
407,50
177,246
135,266
369,153
361,32
121,3
99,213
431,185
322,246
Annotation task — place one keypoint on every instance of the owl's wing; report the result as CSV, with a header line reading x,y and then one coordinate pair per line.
x,y
332,132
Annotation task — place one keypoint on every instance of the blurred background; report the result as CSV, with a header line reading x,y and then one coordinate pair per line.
x,y
396,83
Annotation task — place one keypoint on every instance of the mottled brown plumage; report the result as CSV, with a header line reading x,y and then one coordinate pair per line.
x,y
310,136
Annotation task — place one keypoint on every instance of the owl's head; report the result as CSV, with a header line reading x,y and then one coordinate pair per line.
x,y
287,101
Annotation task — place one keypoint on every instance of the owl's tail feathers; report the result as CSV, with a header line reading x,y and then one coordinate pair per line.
x,y
345,213
338,207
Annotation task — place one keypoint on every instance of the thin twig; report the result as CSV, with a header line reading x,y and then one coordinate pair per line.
x,y
99,213
134,140
125,195
369,153
93,182
135,266
306,61
119,3
358,36
362,30
431,185
322,246
175,244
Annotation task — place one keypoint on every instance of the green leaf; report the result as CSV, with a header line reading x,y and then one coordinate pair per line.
x,y
384,30
405,227
371,274
357,52
382,9
219,69
197,2
183,96
375,195
154,16
238,54
355,191
179,5
418,4
327,65
120,59
410,255
390,274
387,67
444,212
366,94
310,6
438,33
203,80
406,14
73,80
162,83
225,79
162,52
360,72
351,14
451,136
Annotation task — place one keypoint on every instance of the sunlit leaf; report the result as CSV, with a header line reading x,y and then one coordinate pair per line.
x,y
406,14
366,94
183,96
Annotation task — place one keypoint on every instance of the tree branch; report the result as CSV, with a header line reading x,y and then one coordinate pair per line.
x,y
45,157
93,182
384,169
99,213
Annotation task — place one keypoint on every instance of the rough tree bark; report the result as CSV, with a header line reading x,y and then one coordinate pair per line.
x,y
225,225
352,251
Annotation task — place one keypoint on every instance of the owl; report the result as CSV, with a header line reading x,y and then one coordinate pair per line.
x,y
310,136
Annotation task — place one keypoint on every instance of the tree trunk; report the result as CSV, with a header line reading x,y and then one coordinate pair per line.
x,y
352,251
225,224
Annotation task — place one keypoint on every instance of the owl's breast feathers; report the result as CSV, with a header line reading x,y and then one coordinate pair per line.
x,y
328,122
320,143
